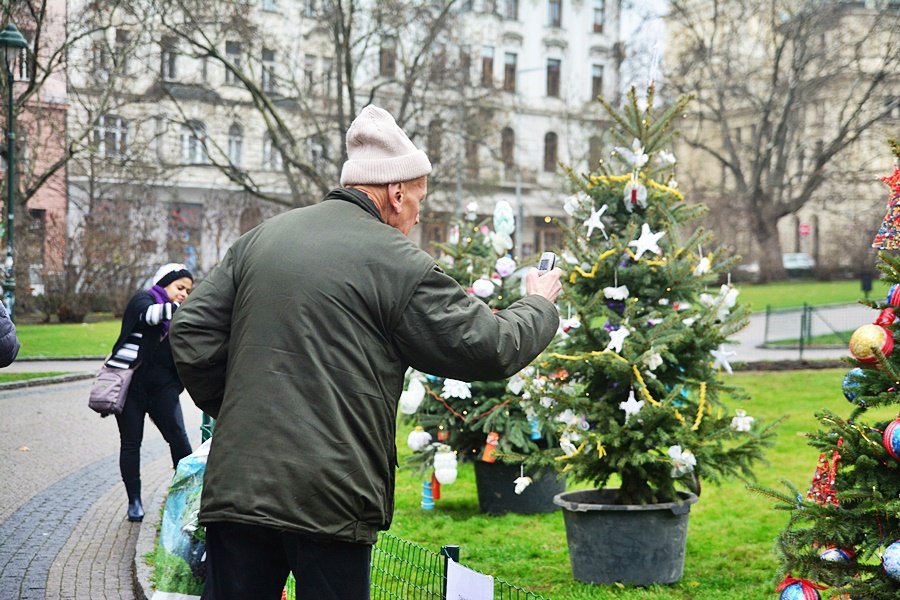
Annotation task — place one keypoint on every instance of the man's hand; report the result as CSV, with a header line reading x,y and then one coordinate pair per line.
x,y
546,285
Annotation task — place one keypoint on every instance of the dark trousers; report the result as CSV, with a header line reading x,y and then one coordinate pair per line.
x,y
162,405
250,561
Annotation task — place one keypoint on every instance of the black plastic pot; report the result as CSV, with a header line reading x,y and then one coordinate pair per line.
x,y
625,543
496,490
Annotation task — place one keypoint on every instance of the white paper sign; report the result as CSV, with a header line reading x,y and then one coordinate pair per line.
x,y
466,584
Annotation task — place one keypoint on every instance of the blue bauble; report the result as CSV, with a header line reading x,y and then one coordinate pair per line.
x,y
890,560
795,592
851,383
839,555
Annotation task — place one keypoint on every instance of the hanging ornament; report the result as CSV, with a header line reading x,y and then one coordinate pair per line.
x,y
721,358
593,222
616,292
647,242
490,447
427,498
445,466
574,202
617,338
838,555
635,195
851,384
483,287
634,156
535,428
741,422
886,317
418,439
521,482
505,266
891,439
471,211
702,267
793,588
683,461
442,434
893,295
504,221
822,490
890,560
453,388
411,398
866,339
632,406
888,236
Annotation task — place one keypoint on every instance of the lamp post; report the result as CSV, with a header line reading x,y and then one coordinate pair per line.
x,y
11,42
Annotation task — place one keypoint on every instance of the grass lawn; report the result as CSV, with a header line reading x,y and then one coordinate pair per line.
x,y
788,294
731,532
67,340
10,377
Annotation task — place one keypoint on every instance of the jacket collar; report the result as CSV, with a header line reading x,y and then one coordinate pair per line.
x,y
356,197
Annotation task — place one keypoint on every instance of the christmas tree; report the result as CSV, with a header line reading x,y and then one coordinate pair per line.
x,y
636,388
482,420
844,532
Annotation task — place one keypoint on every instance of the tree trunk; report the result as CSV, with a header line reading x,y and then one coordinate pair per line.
x,y
771,267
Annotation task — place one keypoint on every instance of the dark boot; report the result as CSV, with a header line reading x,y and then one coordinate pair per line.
x,y
135,509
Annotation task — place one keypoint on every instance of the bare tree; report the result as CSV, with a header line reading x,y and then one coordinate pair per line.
x,y
784,89
400,54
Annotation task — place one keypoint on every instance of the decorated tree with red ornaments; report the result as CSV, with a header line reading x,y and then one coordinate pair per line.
x,y
844,531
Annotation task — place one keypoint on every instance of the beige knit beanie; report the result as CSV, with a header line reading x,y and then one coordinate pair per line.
x,y
378,151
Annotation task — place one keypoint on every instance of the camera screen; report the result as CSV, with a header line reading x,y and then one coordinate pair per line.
x,y
545,264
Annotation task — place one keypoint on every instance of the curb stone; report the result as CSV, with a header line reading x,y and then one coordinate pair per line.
x,y
146,542
12,385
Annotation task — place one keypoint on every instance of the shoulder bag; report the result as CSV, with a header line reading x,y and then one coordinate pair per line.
x,y
109,390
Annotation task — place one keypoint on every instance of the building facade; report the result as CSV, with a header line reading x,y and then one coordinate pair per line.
x,y
194,134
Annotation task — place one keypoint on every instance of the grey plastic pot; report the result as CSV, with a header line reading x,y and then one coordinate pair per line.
x,y
625,543
496,490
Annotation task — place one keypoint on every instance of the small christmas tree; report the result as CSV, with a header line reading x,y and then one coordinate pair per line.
x,y
844,532
482,420
637,390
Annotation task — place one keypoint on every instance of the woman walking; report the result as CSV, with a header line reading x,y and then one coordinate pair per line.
x,y
143,345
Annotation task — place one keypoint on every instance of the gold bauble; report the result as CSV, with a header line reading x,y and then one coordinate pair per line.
x,y
866,340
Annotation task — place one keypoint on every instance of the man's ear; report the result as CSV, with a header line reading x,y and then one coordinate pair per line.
x,y
395,195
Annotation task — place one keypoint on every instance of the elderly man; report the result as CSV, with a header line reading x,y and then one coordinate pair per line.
x,y
298,342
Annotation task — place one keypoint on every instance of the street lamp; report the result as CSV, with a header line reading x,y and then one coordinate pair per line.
x,y
11,42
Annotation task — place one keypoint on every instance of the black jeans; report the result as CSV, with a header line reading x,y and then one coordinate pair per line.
x,y
250,561
164,408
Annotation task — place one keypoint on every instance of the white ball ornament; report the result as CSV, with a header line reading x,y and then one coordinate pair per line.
x,y
445,466
418,439
890,560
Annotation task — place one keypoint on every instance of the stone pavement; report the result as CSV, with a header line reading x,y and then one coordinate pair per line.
x,y
63,532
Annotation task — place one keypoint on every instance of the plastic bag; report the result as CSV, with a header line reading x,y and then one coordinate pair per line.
x,y
180,556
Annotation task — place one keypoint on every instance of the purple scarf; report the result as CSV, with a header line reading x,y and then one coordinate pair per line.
x,y
159,294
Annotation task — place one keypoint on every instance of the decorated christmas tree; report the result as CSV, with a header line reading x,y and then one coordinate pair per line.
x,y
483,420
636,386
844,531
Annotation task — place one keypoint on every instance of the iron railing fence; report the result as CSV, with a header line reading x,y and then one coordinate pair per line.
x,y
806,327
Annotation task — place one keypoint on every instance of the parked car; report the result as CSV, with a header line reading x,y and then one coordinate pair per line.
x,y
798,264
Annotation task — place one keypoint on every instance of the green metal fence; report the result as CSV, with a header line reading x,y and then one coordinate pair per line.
x,y
402,570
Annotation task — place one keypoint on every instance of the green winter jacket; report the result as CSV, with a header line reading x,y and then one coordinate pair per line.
x,y
298,342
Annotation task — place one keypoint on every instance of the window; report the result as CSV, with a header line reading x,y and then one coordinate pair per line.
x,y
318,151
233,53
550,152
25,63
270,4
549,235
554,13
111,136
553,66
100,60
309,8
599,15
169,58
309,72
438,67
271,158
472,166
435,135
434,232
193,143
595,152
511,9
269,81
250,218
123,47
596,81
184,236
387,64
509,72
487,66
465,64
327,75
508,147
235,144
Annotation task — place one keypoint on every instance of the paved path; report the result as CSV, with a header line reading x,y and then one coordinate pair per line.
x,y
63,531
